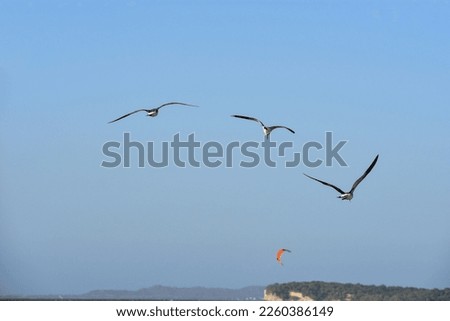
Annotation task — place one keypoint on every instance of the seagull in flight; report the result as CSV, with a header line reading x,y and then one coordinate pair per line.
x,y
152,112
348,195
267,129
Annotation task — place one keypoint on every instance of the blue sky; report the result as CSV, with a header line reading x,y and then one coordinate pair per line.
x,y
375,73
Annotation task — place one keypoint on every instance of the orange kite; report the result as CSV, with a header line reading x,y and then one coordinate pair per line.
x,y
280,253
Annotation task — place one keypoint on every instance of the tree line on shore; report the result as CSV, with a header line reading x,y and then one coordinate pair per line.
x,y
333,291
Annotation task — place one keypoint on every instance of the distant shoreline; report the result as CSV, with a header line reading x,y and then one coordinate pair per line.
x,y
293,291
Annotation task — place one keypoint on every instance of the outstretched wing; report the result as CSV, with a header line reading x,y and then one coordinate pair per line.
x,y
249,118
133,112
175,103
325,183
359,180
275,127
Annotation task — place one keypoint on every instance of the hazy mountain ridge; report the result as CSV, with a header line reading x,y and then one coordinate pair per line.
x,y
159,293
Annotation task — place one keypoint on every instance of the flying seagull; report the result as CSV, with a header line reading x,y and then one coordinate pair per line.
x,y
348,195
267,129
152,112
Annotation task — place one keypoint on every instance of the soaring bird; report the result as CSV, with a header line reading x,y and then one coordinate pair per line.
x,y
152,112
280,253
267,129
348,195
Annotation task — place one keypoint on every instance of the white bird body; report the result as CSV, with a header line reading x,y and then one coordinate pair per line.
x,y
346,196
153,113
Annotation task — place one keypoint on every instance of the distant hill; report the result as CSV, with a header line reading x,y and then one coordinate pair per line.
x,y
159,293
332,291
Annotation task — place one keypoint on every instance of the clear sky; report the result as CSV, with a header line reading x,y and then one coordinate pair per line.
x,y
374,73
